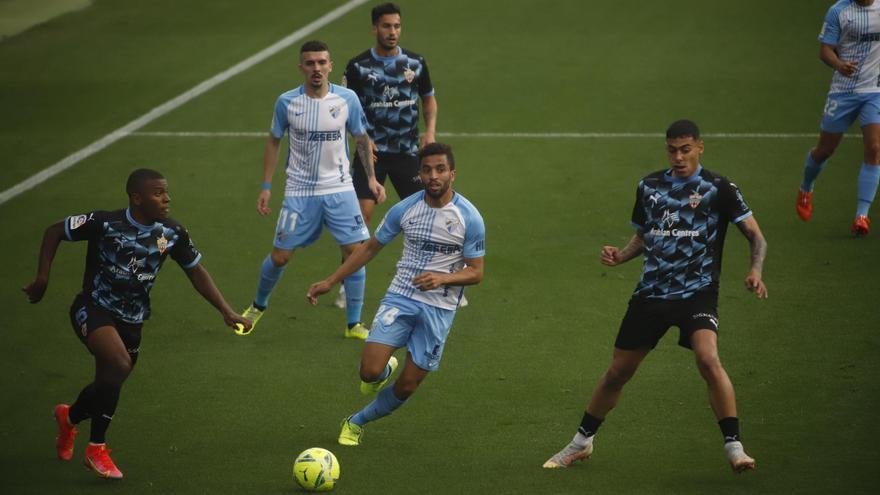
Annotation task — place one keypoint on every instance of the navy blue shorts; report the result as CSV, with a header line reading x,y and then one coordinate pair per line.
x,y
86,317
647,320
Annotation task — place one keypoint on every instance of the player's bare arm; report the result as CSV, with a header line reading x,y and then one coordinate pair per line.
x,y
758,246
471,274
204,284
429,110
360,257
365,153
613,256
828,55
270,158
51,239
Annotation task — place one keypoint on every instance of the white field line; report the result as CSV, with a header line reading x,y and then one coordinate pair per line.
x,y
177,101
512,135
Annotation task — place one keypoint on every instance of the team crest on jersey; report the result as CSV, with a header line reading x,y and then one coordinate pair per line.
x,y
409,74
694,199
451,223
162,244
334,110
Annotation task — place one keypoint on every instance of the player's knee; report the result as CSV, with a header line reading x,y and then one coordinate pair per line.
x,y
872,152
709,366
370,372
116,369
616,377
280,258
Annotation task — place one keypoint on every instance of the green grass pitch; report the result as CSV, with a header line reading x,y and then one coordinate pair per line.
x,y
206,411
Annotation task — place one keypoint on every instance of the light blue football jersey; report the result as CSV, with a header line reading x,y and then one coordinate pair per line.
x,y
854,32
317,162
434,240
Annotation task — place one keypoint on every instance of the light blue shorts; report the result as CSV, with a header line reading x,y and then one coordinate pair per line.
x,y
841,110
301,218
422,328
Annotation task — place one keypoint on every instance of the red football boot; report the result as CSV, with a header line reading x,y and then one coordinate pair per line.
x,y
66,433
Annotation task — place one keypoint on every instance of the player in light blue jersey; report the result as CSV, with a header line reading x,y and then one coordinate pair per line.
x,y
319,191
443,249
849,44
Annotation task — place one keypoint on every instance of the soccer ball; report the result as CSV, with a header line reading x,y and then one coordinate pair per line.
x,y
316,470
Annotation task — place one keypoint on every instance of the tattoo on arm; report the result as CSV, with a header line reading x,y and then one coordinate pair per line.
x,y
633,248
759,250
366,156
757,243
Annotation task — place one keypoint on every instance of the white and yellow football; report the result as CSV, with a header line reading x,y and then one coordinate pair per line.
x,y
316,470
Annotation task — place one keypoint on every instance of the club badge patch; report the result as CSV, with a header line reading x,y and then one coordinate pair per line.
x,y
694,199
409,74
334,110
162,244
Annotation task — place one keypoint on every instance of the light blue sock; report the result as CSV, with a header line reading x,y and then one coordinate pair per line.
x,y
869,177
354,295
269,275
811,172
386,402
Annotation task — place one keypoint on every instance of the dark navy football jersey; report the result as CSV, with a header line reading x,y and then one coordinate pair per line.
x,y
684,222
124,258
389,89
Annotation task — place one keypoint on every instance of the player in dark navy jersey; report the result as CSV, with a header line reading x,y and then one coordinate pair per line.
x,y
125,252
390,81
681,217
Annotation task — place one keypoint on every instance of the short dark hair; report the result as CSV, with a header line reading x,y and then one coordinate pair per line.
x,y
314,46
136,179
683,128
438,149
384,9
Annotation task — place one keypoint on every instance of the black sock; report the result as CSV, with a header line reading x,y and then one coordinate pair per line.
x,y
590,425
730,429
106,398
82,408
257,306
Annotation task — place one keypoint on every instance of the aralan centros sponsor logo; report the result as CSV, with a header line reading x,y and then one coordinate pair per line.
x,y
668,221
395,103
674,232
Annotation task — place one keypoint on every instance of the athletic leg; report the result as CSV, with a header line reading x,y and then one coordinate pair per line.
x,y
113,364
355,285
869,177
606,394
722,398
814,163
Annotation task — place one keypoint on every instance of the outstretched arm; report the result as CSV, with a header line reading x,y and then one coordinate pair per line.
x,y
204,284
471,274
613,256
758,246
360,257
270,158
51,239
365,153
